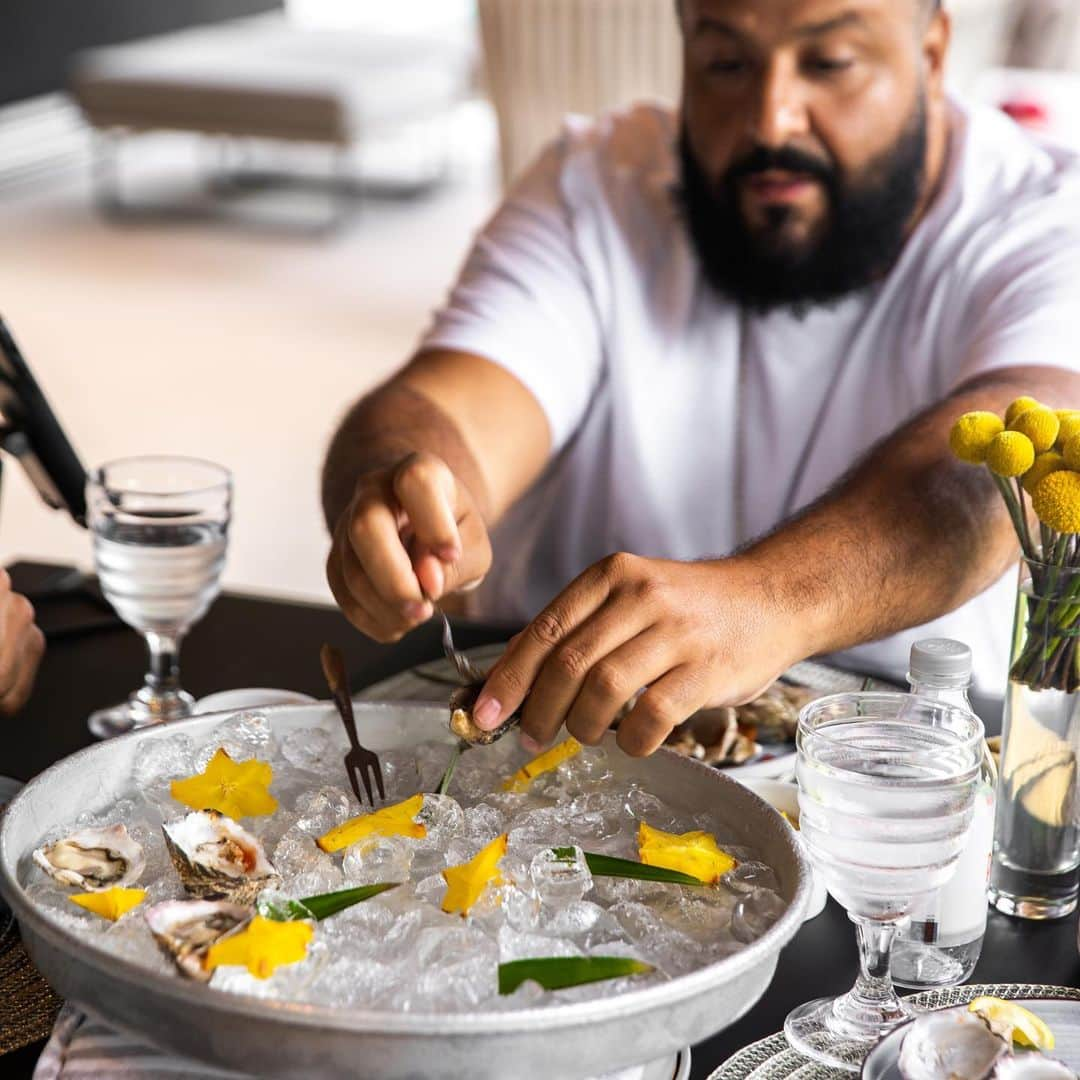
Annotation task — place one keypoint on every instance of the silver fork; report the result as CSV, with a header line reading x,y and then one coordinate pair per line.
x,y
467,671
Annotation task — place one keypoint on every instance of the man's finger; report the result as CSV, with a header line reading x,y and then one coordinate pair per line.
x,y
584,655
32,652
373,534
613,682
16,620
513,676
664,705
427,492
362,589
438,577
353,609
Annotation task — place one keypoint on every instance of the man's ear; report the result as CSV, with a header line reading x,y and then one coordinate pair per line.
x,y
935,49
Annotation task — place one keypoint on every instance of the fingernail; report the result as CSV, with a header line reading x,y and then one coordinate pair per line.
x,y
530,744
487,714
415,609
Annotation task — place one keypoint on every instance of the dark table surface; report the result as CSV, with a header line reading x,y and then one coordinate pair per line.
x,y
247,641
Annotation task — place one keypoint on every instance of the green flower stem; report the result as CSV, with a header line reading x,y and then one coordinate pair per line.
x,y
1019,524
1022,516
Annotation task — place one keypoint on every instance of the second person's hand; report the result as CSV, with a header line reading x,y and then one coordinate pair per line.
x,y
412,533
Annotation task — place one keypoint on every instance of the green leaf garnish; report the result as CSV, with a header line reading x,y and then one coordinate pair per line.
x,y
559,972
321,906
448,775
609,866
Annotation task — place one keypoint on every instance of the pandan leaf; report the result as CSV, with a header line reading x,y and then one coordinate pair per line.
x,y
323,905
609,866
559,972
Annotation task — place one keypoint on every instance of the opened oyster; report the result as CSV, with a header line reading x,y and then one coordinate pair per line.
x,y
217,859
185,930
93,859
462,701
950,1045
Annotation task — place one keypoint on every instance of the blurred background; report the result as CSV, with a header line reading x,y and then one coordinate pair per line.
x,y
223,220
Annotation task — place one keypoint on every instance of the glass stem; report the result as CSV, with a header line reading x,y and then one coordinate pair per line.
x,y
163,678
874,987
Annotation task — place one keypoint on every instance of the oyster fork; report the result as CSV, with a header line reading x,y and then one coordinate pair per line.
x,y
359,761
468,672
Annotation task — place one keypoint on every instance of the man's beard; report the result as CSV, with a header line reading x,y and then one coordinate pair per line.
x,y
860,239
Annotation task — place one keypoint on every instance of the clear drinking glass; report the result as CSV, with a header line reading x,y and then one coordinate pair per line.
x,y
160,527
886,796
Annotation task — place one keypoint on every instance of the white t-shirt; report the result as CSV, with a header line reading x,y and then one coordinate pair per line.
x,y
683,426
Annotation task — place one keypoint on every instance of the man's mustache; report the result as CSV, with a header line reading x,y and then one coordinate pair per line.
x,y
786,159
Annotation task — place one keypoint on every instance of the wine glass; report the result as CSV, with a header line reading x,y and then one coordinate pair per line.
x,y
886,796
160,527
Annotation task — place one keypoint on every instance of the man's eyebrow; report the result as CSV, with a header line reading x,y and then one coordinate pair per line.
x,y
708,24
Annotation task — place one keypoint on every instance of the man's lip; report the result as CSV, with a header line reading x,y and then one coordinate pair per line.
x,y
779,186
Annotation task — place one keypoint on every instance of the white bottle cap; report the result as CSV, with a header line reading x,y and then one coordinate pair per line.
x,y
939,658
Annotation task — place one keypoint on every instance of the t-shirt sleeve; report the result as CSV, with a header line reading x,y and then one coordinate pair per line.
x,y
1023,307
523,300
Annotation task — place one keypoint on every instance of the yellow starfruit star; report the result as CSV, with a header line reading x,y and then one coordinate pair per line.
x,y
237,789
695,853
546,762
110,904
466,883
396,820
262,947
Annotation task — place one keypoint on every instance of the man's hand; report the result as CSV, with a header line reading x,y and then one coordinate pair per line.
x,y
411,533
22,644
692,634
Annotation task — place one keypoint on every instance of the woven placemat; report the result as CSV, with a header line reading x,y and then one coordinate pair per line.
x,y
29,1004
773,1058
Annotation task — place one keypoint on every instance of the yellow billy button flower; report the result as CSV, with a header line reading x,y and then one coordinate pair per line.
x,y
1044,465
1068,426
237,789
1040,425
694,853
972,434
465,884
1010,454
1057,501
1018,407
396,820
548,761
262,947
110,904
1070,452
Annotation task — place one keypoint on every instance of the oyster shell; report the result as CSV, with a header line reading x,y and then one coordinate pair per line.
x,y
93,859
1032,1066
462,701
216,858
950,1045
185,930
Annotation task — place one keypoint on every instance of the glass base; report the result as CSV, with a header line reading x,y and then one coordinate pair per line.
x,y
820,1030
1032,907
143,709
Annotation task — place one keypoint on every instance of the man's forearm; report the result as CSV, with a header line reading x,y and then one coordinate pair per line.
x,y
908,536
384,428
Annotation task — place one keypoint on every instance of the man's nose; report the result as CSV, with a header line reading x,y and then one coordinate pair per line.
x,y
782,109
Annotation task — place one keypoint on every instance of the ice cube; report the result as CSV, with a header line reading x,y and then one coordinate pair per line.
x,y
442,817
297,853
560,875
754,913
311,749
247,735
585,771
378,858
523,945
158,761
748,876
432,888
484,822
323,879
577,918
317,812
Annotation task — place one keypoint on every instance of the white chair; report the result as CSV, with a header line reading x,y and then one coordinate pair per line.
x,y
548,58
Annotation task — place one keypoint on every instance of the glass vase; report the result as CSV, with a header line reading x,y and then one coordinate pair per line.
x,y
1036,840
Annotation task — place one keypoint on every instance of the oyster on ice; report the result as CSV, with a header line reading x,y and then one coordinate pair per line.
x,y
93,859
185,930
462,701
1032,1066
218,859
950,1045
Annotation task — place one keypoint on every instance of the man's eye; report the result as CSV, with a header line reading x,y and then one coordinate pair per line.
x,y
826,66
726,67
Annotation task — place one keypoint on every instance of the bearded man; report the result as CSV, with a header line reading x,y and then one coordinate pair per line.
x,y
694,385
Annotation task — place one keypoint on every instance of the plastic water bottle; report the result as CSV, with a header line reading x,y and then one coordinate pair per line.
x,y
941,944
